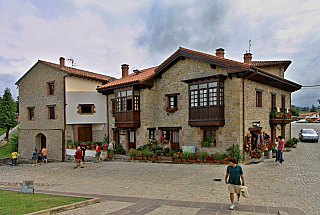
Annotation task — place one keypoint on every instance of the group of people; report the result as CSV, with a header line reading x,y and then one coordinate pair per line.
x,y
39,157
80,154
279,146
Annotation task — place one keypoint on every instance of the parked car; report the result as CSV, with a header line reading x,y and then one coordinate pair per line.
x,y
302,121
308,134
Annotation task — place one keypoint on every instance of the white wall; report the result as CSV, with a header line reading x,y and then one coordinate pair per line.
x,y
79,84
74,98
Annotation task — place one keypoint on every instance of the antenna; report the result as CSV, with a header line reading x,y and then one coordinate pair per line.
x,y
70,59
249,44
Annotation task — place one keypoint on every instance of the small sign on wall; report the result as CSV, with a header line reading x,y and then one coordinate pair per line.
x,y
256,124
27,187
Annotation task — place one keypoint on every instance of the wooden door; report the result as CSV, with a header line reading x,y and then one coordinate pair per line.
x,y
43,142
174,140
132,140
85,134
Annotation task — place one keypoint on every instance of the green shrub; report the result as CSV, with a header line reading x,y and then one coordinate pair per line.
x,y
158,152
132,152
166,150
144,153
119,149
202,155
236,153
185,155
217,156
110,151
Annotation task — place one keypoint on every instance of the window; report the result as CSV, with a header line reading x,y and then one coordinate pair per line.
x,y
172,101
51,111
126,101
50,88
30,113
258,98
210,136
283,103
86,109
207,94
151,133
172,136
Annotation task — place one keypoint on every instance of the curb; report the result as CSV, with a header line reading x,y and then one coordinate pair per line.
x,y
67,207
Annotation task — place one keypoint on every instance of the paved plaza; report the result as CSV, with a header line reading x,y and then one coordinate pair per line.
x,y
152,188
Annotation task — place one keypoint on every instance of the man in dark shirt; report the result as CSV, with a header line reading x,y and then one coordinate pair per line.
x,y
234,172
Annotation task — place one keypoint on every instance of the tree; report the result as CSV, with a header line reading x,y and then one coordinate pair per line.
x,y
313,109
294,111
8,118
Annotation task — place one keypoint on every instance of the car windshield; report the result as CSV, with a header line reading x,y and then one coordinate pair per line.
x,y
308,131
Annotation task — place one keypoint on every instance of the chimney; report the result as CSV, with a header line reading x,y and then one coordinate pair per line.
x,y
125,70
247,57
61,61
220,52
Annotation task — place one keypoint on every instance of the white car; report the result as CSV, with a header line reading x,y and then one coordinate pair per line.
x,y
302,121
308,134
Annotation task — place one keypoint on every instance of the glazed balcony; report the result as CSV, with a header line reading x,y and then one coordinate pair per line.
x,y
206,116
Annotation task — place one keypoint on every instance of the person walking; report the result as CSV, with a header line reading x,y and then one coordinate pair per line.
x,y
83,149
35,158
78,157
280,149
13,157
44,152
98,152
232,179
276,148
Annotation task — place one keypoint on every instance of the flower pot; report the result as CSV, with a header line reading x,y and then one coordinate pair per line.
x,y
225,162
133,157
145,158
88,147
74,146
256,160
201,160
159,158
185,159
139,158
209,161
166,154
171,158
193,161
152,159
93,146
105,148
218,161
69,147
178,160
110,155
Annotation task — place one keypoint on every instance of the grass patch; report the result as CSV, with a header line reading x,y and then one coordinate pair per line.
x,y
2,131
13,202
6,150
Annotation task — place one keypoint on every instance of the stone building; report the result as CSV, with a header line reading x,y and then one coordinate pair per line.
x,y
58,103
193,95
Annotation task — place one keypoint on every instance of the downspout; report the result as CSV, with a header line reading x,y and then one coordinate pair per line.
x,y
108,117
291,115
64,121
243,117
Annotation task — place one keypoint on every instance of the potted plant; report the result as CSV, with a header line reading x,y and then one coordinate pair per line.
x,y
171,154
120,150
295,142
138,155
218,157
159,153
208,142
272,115
69,144
88,145
193,157
185,156
152,156
209,159
166,151
256,155
235,152
110,152
145,154
201,156
105,146
132,153
226,159
289,144
177,156
279,115
171,110
93,145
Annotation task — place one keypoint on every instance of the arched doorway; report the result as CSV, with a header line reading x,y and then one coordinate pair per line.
x,y
40,141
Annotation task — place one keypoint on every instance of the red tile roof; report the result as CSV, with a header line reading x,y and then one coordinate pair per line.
x,y
79,72
140,77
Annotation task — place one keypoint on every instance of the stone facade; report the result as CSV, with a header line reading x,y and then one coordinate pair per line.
x,y
33,92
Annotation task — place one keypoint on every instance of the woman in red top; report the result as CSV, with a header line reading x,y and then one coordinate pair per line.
x,y
78,157
280,149
98,152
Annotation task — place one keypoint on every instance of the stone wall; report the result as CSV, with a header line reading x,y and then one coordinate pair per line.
x,y
33,92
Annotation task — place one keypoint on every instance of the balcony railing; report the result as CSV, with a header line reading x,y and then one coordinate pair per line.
x,y
127,119
206,116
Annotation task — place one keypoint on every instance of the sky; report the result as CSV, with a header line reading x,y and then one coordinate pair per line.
x,y
100,35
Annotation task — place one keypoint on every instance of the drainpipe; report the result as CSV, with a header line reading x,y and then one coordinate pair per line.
x,y
64,121
108,117
243,117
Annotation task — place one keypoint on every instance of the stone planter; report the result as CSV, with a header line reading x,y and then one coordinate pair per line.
x,y
256,160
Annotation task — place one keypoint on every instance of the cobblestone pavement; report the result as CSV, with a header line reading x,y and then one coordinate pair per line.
x,y
294,184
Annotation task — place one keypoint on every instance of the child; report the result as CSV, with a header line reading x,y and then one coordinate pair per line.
x,y
276,148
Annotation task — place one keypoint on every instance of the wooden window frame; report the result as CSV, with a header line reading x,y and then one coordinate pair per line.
x,y
171,100
31,113
258,98
151,133
51,88
49,109
121,101
81,107
205,130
